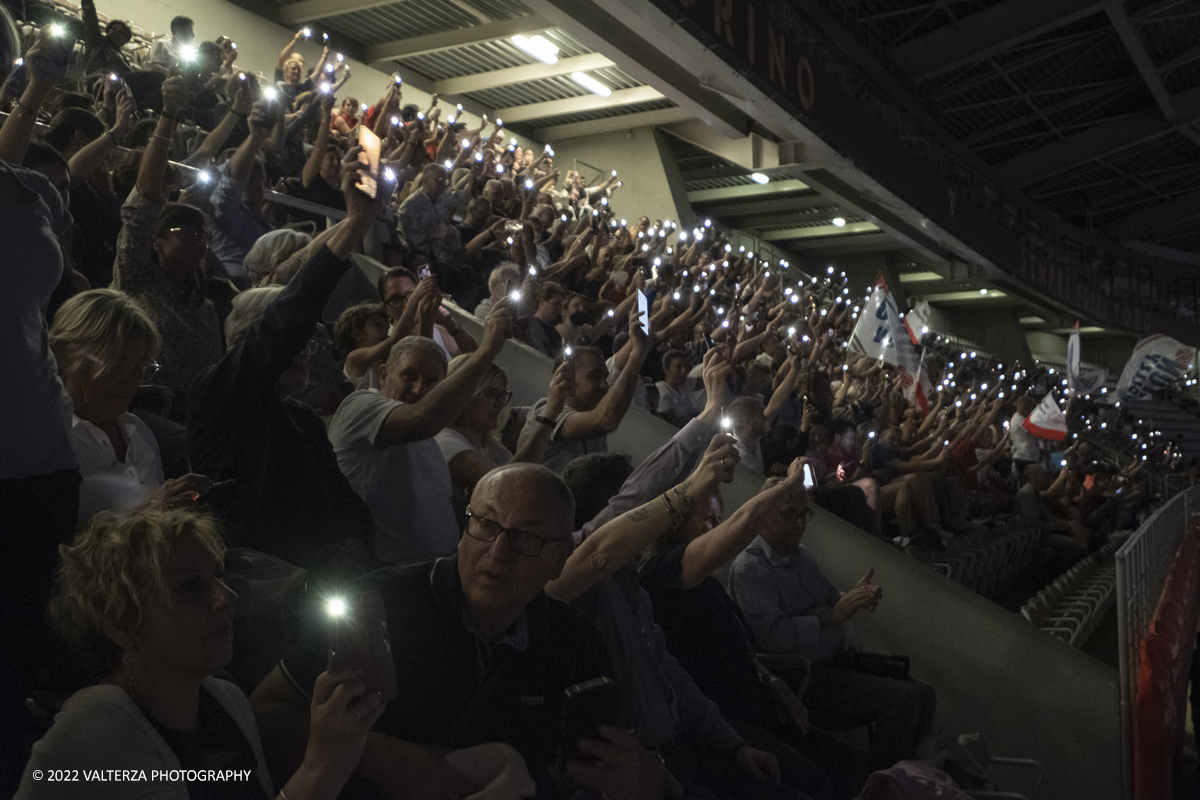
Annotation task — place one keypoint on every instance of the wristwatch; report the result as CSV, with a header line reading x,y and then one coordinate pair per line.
x,y
544,420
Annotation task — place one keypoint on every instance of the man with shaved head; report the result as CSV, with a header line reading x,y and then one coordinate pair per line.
x,y
481,655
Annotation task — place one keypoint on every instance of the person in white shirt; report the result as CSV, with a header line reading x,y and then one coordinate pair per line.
x,y
105,345
678,399
385,446
168,52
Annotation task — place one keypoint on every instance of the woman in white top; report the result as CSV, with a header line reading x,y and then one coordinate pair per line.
x,y
105,344
469,445
143,592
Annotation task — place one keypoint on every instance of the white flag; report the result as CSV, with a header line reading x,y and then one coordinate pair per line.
x,y
917,321
1085,383
880,333
1156,363
1073,357
1047,420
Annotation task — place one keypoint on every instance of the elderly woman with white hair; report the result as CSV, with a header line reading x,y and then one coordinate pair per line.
x,y
270,251
105,346
289,498
498,282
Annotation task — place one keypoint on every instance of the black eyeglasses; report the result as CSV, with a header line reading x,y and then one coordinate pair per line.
x,y
521,542
496,397
793,516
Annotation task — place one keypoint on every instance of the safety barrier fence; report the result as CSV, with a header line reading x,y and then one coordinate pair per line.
x,y
1142,566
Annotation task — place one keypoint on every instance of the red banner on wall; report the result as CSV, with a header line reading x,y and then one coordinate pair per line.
x,y
1166,659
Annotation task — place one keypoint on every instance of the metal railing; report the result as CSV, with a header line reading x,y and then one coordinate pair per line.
x,y
1142,566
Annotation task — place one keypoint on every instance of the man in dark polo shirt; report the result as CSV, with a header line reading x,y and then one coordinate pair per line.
x,y
481,655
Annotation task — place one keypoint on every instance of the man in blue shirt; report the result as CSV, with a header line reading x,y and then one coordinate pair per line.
x,y
791,607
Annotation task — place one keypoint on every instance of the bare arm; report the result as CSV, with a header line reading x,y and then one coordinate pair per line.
x,y
705,554
467,468
287,50
91,157
47,65
786,387
413,422
360,360
243,104
607,416
312,167
621,539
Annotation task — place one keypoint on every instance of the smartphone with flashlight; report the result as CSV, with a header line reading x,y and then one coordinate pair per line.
x,y
424,272
809,480
709,341
569,362
358,640
587,706
644,309
369,184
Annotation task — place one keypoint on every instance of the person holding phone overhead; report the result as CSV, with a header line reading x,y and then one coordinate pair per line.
x,y
239,192
595,409
290,499
143,592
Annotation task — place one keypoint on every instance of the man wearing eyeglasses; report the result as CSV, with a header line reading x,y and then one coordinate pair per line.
x,y
481,655
385,445
791,607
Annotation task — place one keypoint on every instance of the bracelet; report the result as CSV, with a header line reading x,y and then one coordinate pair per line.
x,y
169,116
21,110
115,140
281,794
544,420
154,137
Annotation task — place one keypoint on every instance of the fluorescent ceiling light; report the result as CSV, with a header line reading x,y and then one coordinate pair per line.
x,y
591,84
537,46
758,177
838,222
915,277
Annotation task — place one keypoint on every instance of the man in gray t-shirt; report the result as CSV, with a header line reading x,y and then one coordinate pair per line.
x,y
385,446
596,409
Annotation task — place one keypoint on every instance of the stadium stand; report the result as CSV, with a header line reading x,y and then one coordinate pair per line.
x,y
353,358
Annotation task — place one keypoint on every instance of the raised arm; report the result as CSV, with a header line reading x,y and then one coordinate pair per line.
x,y
91,157
785,389
243,104
468,469
360,360
312,167
412,422
46,65
618,541
158,150
287,50
606,417
242,160
705,554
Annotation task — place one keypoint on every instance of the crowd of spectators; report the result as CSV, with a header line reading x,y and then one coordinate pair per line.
x,y
173,390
